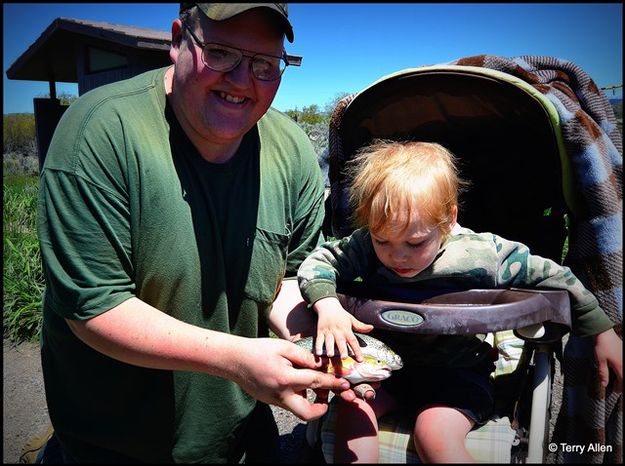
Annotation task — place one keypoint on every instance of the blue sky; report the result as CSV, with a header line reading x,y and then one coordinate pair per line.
x,y
348,46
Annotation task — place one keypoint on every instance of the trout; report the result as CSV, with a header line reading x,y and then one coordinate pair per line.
x,y
379,361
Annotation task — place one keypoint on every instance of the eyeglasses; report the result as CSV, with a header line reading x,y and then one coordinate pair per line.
x,y
222,58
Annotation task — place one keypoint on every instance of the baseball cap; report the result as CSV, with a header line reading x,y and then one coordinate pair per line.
x,y
223,11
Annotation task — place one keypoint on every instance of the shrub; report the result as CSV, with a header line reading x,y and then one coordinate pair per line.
x,y
14,164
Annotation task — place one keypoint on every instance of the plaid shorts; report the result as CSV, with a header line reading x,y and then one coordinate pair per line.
x,y
469,390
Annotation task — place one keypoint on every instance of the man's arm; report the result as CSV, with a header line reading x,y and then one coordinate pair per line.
x,y
137,333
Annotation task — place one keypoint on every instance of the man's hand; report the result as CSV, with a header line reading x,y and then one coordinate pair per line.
x,y
278,372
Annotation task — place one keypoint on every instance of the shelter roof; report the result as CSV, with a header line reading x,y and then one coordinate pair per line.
x,y
51,57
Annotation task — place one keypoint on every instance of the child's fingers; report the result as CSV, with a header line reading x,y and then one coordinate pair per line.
x,y
360,326
352,341
604,374
329,342
319,344
341,345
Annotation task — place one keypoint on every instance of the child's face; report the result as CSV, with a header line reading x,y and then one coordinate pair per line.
x,y
406,253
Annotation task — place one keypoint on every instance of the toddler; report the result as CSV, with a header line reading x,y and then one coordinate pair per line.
x,y
405,199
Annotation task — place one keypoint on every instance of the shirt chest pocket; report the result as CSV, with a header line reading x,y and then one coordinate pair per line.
x,y
267,265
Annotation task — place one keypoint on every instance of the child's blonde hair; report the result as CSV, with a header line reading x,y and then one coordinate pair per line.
x,y
392,181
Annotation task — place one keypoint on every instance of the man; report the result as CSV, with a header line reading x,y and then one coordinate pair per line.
x,y
171,207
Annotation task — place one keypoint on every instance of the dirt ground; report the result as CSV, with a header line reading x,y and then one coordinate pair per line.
x,y
25,411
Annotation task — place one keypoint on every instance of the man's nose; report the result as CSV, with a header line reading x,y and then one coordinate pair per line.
x,y
241,75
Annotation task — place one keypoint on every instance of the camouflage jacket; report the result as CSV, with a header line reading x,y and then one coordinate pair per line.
x,y
465,260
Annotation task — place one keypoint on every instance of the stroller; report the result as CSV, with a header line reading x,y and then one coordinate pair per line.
x,y
510,123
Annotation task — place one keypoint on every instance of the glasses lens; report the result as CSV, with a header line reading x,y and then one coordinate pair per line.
x,y
220,58
267,68
223,59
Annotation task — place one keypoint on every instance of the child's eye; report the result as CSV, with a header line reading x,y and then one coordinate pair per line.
x,y
380,242
414,246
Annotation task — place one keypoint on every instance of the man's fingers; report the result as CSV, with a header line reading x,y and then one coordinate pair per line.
x,y
364,391
347,395
299,405
321,383
300,357
319,380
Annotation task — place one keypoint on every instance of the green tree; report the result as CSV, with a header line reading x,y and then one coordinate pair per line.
x,y
311,114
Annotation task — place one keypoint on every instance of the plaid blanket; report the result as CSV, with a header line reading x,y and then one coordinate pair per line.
x,y
589,414
491,443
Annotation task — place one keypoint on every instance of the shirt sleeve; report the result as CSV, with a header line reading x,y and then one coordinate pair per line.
x,y
84,222
518,268
343,259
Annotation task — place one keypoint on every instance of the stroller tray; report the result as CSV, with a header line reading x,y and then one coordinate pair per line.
x,y
457,312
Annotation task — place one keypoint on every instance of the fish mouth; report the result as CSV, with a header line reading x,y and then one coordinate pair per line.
x,y
383,373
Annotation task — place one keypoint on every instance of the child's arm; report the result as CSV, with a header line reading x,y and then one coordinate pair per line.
x,y
334,327
520,268
609,355
317,276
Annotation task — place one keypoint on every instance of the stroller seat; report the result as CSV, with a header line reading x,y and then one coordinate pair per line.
x,y
524,353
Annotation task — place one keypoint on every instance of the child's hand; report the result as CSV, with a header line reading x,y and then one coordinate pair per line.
x,y
334,326
609,355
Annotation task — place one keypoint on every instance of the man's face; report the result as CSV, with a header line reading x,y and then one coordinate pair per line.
x,y
221,107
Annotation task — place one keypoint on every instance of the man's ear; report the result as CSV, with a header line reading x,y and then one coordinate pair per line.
x,y
176,40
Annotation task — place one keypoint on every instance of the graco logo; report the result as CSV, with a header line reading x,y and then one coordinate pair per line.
x,y
399,317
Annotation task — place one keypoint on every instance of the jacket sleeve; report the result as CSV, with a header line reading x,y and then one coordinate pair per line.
x,y
343,259
518,268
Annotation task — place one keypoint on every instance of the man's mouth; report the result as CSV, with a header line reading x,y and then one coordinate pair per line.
x,y
231,98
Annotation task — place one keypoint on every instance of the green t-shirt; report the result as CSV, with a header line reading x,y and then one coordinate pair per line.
x,y
129,208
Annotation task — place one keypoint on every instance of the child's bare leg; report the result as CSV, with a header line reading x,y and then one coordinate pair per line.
x,y
356,428
440,433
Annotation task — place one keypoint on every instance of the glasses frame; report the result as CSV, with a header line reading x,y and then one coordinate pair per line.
x,y
289,60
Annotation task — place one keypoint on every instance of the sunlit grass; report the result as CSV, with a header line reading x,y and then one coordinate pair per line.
x,y
22,272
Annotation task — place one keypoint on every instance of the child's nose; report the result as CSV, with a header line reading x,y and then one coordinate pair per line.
x,y
398,254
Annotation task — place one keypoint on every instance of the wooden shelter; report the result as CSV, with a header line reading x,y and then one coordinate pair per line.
x,y
90,54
